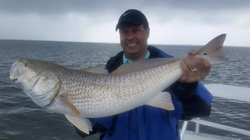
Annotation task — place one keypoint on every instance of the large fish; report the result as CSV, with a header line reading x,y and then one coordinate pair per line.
x,y
91,93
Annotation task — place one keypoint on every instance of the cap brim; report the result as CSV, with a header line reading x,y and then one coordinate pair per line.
x,y
127,21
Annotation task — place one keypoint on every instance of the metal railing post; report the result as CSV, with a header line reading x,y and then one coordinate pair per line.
x,y
183,129
197,127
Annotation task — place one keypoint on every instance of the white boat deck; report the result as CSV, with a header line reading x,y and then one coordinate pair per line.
x,y
229,92
223,91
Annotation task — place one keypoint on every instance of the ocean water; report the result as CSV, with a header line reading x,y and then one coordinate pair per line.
x,y
20,118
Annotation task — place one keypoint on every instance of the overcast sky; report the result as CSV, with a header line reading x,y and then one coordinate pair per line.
x,y
191,22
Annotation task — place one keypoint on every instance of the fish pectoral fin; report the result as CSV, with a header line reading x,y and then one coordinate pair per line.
x,y
65,102
163,101
82,124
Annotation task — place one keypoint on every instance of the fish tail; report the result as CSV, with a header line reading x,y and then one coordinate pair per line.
x,y
212,51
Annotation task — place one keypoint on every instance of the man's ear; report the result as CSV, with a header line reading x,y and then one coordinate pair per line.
x,y
148,32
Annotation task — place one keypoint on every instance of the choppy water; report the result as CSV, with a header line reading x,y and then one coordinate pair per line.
x,y
20,118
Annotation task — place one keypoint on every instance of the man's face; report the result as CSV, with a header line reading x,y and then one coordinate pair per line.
x,y
133,40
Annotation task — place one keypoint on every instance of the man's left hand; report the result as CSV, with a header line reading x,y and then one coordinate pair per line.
x,y
194,68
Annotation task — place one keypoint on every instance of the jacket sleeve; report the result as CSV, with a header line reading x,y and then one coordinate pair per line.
x,y
191,101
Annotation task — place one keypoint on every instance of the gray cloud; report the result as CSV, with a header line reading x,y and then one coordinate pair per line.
x,y
89,20
51,7
205,11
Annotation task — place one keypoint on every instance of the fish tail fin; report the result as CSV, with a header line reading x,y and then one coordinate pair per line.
x,y
212,51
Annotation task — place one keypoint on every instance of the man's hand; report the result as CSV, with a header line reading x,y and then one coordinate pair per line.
x,y
194,68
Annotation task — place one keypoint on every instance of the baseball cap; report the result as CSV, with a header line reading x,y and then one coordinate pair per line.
x,y
132,16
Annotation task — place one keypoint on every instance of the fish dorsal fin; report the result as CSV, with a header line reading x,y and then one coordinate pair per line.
x,y
82,124
98,69
163,101
212,51
143,65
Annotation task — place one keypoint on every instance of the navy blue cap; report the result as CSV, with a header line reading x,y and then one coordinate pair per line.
x,y
132,16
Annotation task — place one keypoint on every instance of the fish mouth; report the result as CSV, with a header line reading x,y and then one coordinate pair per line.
x,y
15,80
14,73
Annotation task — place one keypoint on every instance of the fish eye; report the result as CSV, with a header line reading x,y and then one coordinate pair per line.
x,y
204,53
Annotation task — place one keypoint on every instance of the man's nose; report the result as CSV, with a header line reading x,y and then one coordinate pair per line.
x,y
130,36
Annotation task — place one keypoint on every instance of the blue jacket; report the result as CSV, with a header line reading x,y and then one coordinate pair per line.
x,y
150,123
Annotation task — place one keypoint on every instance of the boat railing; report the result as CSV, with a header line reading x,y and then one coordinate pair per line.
x,y
211,124
223,91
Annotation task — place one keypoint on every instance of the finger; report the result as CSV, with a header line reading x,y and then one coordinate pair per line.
x,y
203,67
186,67
185,72
203,64
206,65
190,64
197,63
192,53
200,73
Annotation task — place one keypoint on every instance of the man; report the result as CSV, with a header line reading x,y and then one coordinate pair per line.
x,y
189,97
